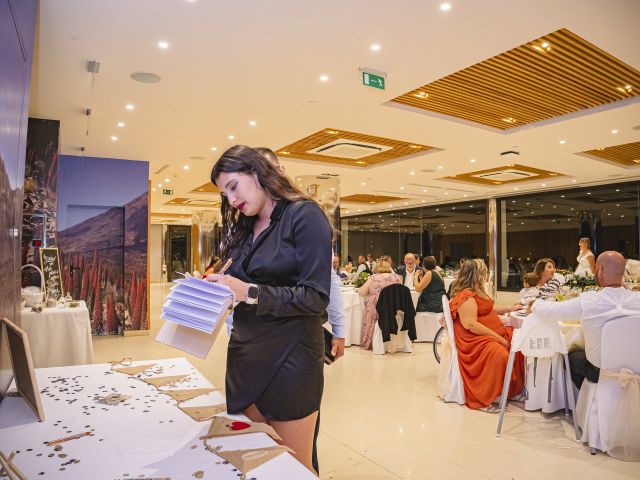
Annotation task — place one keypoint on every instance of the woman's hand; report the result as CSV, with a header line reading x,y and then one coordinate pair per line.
x,y
504,342
238,287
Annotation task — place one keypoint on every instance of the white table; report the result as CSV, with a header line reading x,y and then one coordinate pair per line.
x,y
354,307
58,336
147,436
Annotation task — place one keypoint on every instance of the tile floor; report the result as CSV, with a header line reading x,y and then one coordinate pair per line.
x,y
381,420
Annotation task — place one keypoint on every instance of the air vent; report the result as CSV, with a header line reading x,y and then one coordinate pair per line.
x,y
162,168
349,149
507,175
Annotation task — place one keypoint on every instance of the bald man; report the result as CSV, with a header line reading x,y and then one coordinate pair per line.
x,y
594,309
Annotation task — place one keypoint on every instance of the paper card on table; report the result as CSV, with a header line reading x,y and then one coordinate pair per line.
x,y
223,426
200,414
184,395
161,381
135,369
247,460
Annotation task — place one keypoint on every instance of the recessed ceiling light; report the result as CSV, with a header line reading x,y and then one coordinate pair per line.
x,y
162,209
406,203
516,188
159,185
617,189
186,167
588,193
130,106
465,195
509,120
363,183
445,7
573,181
120,124
153,189
562,142
167,180
114,138
375,47
163,44
614,131
440,167
424,190
473,160
421,95
401,188
446,193
543,184
625,89
412,173
231,137
252,123
213,149
324,78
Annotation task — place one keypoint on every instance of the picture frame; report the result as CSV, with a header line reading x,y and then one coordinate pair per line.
x,y
22,365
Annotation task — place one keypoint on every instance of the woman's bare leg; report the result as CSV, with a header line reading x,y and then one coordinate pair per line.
x,y
298,435
254,414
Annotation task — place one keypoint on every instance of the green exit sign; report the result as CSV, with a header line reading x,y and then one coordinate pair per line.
x,y
167,192
371,80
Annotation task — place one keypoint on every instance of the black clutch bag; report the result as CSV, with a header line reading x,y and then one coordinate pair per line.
x,y
328,336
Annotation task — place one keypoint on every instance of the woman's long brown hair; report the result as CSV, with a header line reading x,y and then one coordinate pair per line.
x,y
242,159
472,275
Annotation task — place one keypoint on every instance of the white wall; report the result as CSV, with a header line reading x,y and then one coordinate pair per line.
x,y
155,253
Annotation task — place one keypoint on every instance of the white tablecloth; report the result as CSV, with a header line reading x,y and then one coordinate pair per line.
x,y
354,307
59,336
145,436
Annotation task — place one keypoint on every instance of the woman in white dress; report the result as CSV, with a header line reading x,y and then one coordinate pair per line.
x,y
586,259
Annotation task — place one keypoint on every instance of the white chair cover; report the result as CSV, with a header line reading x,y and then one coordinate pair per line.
x,y
397,343
426,326
607,411
453,388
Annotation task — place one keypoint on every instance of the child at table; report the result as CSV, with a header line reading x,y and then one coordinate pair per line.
x,y
527,295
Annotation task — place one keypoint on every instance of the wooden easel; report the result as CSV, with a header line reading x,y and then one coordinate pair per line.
x,y
9,469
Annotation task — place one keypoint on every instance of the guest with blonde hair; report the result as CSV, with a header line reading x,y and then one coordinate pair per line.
x,y
482,340
382,277
586,259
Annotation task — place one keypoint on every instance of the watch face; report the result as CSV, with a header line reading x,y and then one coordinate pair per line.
x,y
252,292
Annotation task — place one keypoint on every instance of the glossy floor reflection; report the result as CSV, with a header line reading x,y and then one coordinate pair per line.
x,y
381,420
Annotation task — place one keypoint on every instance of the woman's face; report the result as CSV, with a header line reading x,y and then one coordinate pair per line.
x,y
582,245
242,191
548,272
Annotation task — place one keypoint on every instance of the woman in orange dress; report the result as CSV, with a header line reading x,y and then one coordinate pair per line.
x,y
482,340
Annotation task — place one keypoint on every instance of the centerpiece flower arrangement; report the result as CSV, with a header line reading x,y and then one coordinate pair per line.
x,y
362,278
580,281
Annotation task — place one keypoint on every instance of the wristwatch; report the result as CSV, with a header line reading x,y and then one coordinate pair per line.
x,y
252,294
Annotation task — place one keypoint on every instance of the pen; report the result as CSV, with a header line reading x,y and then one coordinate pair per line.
x,y
70,437
226,265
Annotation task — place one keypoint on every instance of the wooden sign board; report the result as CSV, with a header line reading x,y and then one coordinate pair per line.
x,y
50,262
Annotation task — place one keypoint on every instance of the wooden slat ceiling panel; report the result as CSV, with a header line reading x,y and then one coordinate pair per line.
x,y
368,198
529,84
398,149
471,177
627,154
206,188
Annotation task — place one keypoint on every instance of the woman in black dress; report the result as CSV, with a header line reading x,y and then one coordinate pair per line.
x,y
431,285
280,243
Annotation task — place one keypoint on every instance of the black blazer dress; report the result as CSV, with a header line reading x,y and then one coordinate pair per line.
x,y
275,356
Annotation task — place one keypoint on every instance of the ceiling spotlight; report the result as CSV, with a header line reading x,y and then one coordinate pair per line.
x,y
375,47
573,181
445,7
543,184
114,138
412,173
440,167
473,160
516,188
153,189
465,195
159,185
509,120
213,149
625,89
363,183
120,124
186,167
446,193
562,142
231,137
401,188
324,78
163,45
252,123
614,131
130,106
167,180
421,95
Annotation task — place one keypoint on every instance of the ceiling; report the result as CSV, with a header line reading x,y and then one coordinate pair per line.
x,y
230,63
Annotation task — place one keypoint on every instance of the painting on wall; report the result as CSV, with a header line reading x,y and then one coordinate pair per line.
x,y
40,193
103,239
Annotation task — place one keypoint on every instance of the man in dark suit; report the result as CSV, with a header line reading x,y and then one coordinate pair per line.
x,y
409,269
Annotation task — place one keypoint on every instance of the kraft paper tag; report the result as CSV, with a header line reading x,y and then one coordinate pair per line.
x,y
184,395
161,381
247,460
223,426
200,414
134,370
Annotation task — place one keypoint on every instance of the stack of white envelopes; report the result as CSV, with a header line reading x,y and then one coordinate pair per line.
x,y
194,312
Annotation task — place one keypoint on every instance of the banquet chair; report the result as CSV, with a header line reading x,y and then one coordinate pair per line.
x,y
597,402
394,298
427,325
539,339
452,388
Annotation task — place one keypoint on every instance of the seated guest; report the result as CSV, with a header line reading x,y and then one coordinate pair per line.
x,y
371,262
362,266
527,295
382,277
409,270
548,282
431,285
336,268
594,309
482,340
